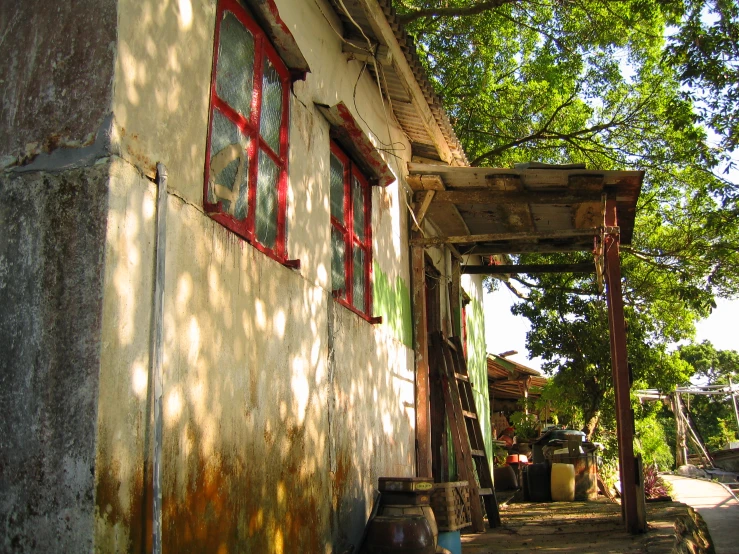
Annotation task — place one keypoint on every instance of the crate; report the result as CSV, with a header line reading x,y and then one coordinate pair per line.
x,y
451,505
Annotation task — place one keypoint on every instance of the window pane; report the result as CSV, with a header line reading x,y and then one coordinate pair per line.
x,y
229,166
338,269
266,218
271,117
358,203
235,72
337,189
359,279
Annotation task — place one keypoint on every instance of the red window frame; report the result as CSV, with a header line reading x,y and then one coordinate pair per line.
x,y
250,128
351,241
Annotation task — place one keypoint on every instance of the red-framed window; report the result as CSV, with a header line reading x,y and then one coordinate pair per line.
x,y
246,165
351,235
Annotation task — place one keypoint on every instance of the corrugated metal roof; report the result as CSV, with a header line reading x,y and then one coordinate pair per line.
x,y
405,112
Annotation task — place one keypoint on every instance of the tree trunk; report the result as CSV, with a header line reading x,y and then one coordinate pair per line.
x,y
591,423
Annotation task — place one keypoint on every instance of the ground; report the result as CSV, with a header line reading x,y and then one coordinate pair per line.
x,y
588,527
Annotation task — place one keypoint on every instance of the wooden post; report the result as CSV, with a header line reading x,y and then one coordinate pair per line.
x,y
620,367
454,299
423,389
733,399
681,453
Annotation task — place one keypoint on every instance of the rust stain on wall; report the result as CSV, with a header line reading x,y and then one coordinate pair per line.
x,y
251,498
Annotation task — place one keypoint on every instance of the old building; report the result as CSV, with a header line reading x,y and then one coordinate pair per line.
x,y
206,274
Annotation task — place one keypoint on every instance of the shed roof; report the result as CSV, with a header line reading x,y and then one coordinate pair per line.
x,y
529,208
507,378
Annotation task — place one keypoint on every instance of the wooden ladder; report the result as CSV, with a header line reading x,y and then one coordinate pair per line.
x,y
469,448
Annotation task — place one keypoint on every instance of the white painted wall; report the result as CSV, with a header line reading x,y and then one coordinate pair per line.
x,y
281,407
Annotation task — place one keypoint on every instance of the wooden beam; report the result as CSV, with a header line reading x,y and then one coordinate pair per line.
x,y
525,236
530,269
621,378
425,182
455,294
483,196
423,385
524,247
427,197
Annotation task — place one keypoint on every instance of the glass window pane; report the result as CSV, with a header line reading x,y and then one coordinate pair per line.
x,y
229,166
338,269
235,72
358,203
359,279
271,117
266,217
337,189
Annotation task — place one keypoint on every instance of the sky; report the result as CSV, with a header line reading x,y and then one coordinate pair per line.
x,y
505,331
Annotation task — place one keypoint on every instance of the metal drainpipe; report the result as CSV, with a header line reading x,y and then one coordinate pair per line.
x,y
156,351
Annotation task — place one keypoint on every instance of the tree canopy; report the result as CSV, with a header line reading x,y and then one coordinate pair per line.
x,y
625,84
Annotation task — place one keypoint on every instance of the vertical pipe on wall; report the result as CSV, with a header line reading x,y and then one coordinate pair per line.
x,y
157,350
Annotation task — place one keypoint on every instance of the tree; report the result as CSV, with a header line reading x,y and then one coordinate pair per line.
x,y
714,415
600,82
569,330
584,80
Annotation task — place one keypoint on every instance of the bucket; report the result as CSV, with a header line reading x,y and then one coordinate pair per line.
x,y
563,482
452,541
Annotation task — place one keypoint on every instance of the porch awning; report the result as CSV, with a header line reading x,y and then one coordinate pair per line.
x,y
530,208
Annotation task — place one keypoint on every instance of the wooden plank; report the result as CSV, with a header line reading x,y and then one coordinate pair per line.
x,y
470,415
455,293
483,196
587,267
423,403
425,182
526,247
428,196
466,239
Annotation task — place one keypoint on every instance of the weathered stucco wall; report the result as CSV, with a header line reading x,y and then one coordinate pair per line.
x,y
51,265
477,356
281,407
123,468
56,59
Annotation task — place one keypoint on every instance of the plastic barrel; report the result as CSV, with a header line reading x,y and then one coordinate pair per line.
x,y
538,482
563,482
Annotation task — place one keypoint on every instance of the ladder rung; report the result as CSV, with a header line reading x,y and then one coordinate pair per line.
x,y
451,345
477,452
461,377
470,415
486,492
